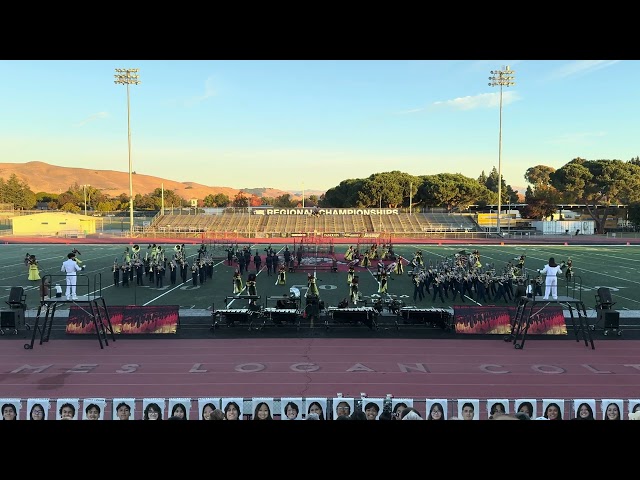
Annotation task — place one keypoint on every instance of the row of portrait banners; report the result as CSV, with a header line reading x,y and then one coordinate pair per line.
x,y
298,408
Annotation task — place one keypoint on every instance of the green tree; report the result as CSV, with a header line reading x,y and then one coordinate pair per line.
x,y
598,183
453,191
241,200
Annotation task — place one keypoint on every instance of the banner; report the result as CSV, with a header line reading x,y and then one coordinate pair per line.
x,y
496,320
128,319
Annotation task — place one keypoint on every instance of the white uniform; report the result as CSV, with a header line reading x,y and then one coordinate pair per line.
x,y
551,283
70,267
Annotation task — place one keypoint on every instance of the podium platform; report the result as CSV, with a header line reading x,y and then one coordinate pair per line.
x,y
528,307
92,301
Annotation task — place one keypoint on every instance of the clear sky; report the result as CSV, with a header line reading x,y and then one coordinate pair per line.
x,y
309,124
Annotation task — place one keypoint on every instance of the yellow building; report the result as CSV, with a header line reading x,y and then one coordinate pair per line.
x,y
59,224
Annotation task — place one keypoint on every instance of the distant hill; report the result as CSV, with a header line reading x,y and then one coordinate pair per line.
x,y
43,177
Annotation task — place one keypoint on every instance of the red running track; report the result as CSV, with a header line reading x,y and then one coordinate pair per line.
x,y
420,368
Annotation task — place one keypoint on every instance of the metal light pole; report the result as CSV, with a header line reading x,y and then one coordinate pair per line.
x,y
128,76
84,190
501,78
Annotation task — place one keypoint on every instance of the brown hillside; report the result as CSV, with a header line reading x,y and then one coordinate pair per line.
x,y
43,177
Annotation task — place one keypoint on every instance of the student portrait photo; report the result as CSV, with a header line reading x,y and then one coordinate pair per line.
x,y
526,405
436,409
399,404
342,407
553,409
584,409
124,408
372,407
291,408
10,408
317,406
206,406
179,408
233,408
633,406
93,408
262,408
67,408
38,408
468,409
153,408
497,405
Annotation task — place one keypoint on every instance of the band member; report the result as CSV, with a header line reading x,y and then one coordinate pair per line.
x,y
282,275
257,261
116,273
399,270
382,285
126,257
195,273
348,256
350,275
139,268
34,271
80,263
353,290
312,287
173,272
184,268
252,288
124,269
568,275
237,282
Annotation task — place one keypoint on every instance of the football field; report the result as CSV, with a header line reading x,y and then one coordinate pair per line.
x,y
613,267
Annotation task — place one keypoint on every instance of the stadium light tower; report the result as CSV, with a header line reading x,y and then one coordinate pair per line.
x,y
501,78
84,189
128,76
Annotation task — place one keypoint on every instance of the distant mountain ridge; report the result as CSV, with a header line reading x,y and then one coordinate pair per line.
x,y
44,177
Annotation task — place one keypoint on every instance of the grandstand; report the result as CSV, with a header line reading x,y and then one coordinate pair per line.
x,y
240,223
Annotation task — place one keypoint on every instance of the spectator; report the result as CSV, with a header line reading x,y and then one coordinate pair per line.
x,y
217,414
497,407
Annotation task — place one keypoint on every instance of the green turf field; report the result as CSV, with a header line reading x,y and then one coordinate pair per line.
x,y
614,267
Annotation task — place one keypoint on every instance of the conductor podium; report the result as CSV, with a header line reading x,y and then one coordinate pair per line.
x,y
530,307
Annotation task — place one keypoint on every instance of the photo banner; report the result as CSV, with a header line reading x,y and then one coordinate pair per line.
x,y
496,320
127,319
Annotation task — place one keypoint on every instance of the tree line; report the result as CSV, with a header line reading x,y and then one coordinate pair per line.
x,y
593,183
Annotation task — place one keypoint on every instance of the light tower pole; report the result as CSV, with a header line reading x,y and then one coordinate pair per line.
x,y
501,78
84,190
128,76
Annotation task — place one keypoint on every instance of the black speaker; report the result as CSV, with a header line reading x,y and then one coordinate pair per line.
x,y
16,295
605,295
13,319
611,319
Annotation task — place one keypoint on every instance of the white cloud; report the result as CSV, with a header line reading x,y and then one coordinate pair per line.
x,y
580,67
580,138
209,91
483,100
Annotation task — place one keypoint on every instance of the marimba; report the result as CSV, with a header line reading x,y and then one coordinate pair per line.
x,y
354,315
438,317
283,315
233,315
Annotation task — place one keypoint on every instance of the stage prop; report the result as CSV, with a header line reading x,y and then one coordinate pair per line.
x,y
496,320
128,319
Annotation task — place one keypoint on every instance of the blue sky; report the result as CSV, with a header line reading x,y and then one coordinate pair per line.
x,y
294,124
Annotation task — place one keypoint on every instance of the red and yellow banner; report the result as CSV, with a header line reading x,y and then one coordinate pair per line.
x,y
496,320
128,319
